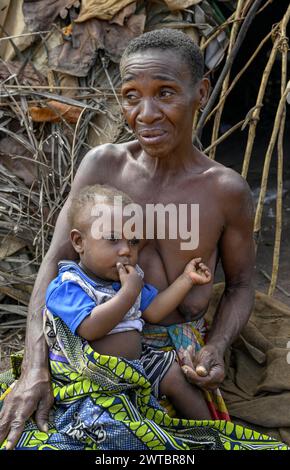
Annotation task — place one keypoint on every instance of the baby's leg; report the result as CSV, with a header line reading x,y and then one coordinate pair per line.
x,y
187,399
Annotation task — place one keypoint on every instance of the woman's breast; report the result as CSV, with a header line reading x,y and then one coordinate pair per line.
x,y
162,263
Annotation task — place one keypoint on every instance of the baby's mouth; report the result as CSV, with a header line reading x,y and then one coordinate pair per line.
x,y
125,262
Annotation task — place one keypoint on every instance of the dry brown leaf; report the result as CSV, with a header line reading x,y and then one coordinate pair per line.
x,y
122,16
77,56
26,74
180,4
102,9
15,294
40,15
9,246
55,112
18,159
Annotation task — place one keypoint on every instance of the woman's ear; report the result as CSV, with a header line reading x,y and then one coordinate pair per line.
x,y
77,240
204,91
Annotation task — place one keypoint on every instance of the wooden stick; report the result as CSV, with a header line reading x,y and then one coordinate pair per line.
x,y
256,114
277,287
276,128
217,120
5,38
224,136
279,205
244,28
242,71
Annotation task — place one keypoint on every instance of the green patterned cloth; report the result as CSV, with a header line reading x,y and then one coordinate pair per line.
x,y
105,403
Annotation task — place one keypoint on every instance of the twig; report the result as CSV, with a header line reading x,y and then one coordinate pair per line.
x,y
23,35
217,120
244,28
224,136
277,286
279,206
110,81
242,71
256,115
73,146
276,127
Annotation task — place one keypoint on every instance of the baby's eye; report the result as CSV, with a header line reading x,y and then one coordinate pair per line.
x,y
111,238
134,241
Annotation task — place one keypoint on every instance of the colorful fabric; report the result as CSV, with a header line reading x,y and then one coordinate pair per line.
x,y
105,403
187,339
156,364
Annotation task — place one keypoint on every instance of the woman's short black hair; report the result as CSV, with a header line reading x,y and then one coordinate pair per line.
x,y
169,39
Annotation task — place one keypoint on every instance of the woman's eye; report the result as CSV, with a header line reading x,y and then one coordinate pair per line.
x,y
166,93
131,96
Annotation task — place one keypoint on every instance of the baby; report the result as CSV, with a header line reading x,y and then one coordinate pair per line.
x,y
103,298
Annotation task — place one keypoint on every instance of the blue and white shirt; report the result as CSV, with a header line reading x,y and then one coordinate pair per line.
x,y
72,295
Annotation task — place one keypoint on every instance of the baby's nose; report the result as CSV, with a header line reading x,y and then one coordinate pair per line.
x,y
124,249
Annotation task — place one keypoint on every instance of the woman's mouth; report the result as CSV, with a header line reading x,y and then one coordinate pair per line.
x,y
152,136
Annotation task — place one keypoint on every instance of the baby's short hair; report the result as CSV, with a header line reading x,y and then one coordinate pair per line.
x,y
94,194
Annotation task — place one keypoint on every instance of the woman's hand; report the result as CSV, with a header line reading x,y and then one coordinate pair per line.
x,y
206,369
31,394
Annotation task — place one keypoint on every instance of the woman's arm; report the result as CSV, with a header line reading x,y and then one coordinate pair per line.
x,y
33,392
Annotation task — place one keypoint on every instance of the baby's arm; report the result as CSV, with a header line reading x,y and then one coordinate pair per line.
x,y
195,273
103,318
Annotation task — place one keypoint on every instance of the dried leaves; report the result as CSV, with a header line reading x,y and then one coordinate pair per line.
x,y
79,51
102,9
54,111
39,15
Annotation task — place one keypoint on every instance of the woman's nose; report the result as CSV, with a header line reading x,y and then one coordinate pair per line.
x,y
149,111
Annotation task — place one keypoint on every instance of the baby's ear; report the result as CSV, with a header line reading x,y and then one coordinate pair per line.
x,y
77,240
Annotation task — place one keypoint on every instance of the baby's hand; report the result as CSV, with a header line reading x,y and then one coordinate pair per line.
x,y
130,279
197,272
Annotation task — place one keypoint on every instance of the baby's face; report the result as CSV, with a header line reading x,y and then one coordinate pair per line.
x,y
106,242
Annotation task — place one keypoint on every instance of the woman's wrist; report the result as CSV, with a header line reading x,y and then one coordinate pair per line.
x,y
36,359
